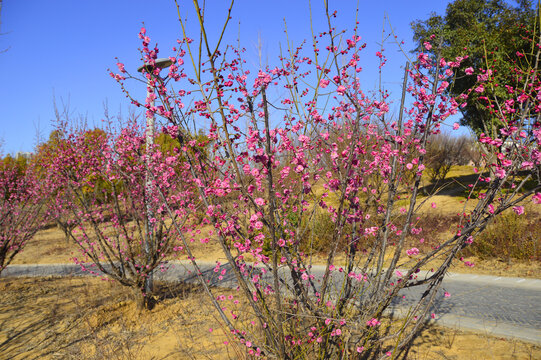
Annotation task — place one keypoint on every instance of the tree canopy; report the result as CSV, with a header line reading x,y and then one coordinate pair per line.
x,y
491,33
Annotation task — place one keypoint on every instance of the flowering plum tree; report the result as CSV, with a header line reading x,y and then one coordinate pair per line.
x,y
100,177
323,146
22,210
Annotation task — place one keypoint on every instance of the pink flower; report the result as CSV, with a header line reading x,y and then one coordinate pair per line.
x,y
469,71
500,173
456,126
427,45
412,251
323,83
446,294
433,205
537,198
360,349
341,90
259,201
409,166
433,316
519,210
121,67
373,322
480,89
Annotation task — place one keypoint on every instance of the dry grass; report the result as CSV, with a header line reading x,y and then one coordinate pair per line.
x,y
82,318
88,318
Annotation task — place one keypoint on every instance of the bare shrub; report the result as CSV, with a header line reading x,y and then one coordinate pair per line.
x,y
443,151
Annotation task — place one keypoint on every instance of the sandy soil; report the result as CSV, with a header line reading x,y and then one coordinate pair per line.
x,y
74,318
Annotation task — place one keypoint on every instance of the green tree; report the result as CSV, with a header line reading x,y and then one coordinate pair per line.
x,y
491,33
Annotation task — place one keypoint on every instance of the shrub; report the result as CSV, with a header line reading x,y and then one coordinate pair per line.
x,y
443,151
507,237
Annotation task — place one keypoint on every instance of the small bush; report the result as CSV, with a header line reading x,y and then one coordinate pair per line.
x,y
509,237
443,151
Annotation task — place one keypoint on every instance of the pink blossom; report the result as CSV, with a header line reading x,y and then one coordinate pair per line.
x,y
519,210
433,205
446,294
456,126
479,89
341,90
373,322
469,71
121,67
323,83
412,251
537,198
427,45
500,173
259,201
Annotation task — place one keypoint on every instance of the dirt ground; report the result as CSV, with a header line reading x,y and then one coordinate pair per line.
x,y
88,318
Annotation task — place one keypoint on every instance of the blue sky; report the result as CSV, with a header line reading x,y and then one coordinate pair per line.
x,y
63,48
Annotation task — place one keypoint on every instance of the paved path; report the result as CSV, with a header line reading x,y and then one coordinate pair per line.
x,y
499,306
